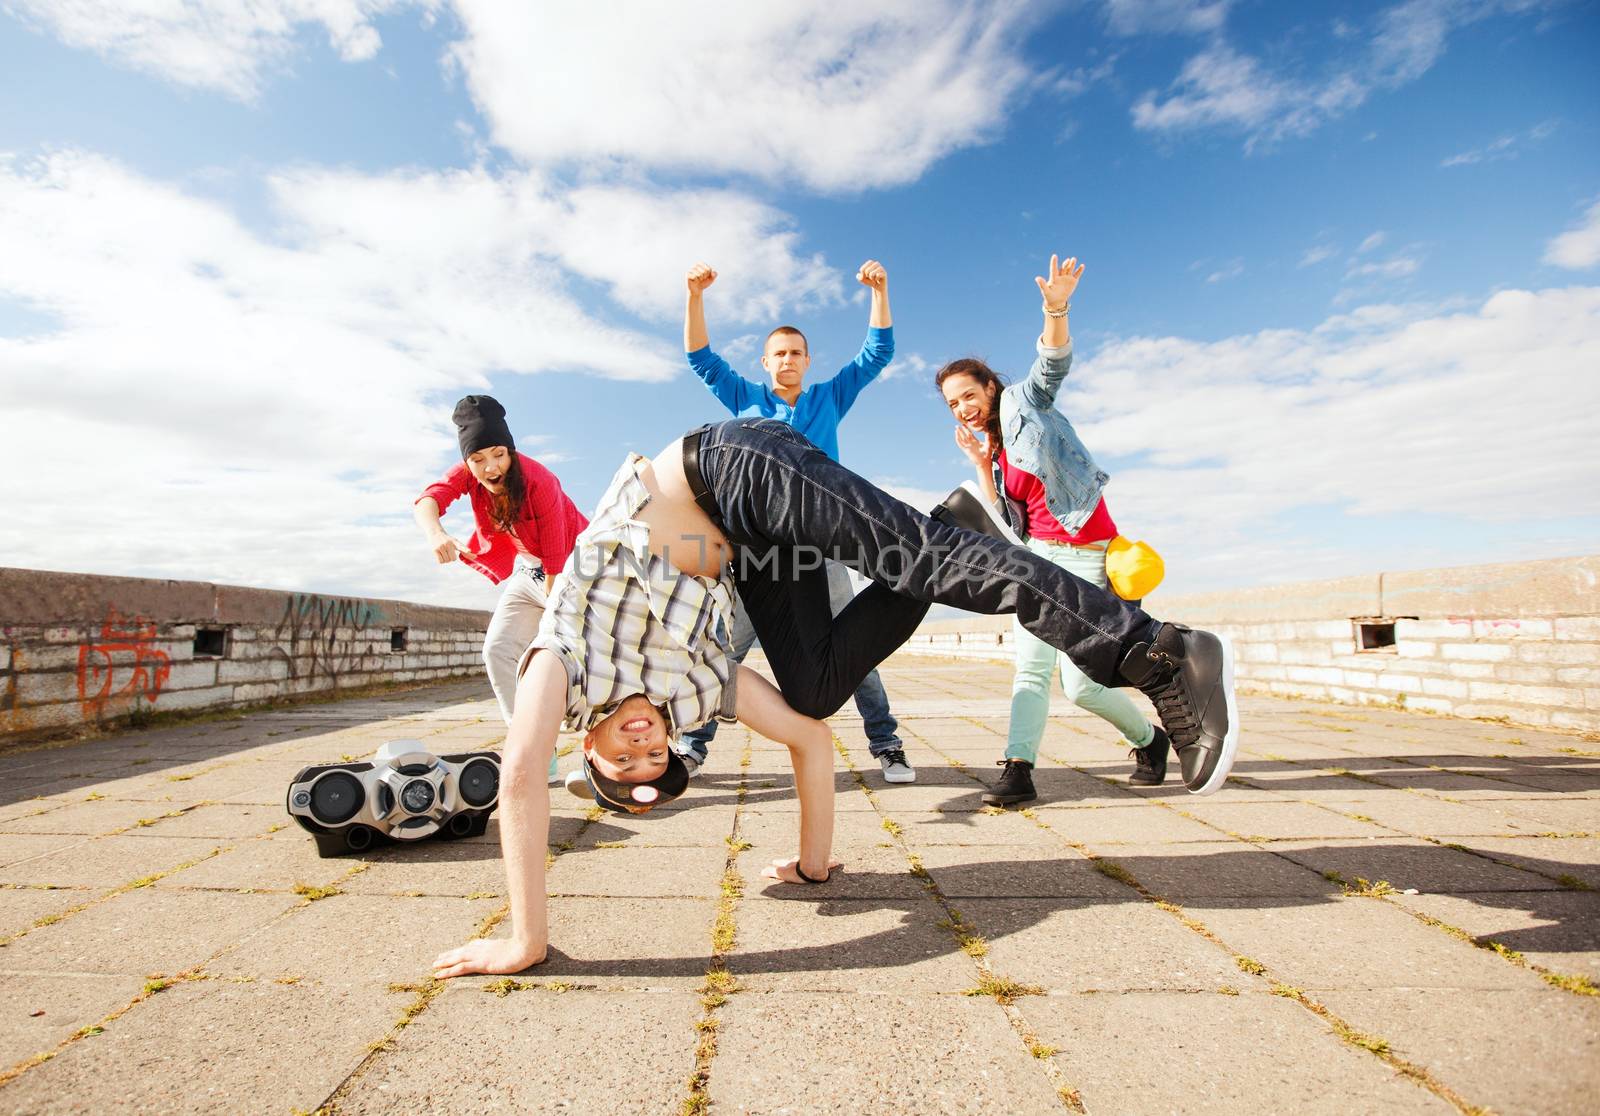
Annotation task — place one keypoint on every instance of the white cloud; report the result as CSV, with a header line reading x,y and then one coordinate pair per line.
x,y
1316,254
1482,414
1374,240
222,45
839,97
908,364
1397,268
1502,147
263,409
1579,246
1222,88
1139,17
1230,269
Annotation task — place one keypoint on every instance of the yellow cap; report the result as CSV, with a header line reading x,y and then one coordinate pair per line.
x,y
1134,568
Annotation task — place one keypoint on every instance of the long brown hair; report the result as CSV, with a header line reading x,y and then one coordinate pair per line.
x,y
505,506
989,381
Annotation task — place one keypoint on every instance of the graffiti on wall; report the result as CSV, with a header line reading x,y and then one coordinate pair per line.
x,y
324,635
98,665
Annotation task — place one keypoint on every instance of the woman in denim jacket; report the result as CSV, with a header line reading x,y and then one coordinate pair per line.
x,y
1024,448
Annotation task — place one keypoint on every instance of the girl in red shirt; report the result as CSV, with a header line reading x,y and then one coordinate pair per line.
x,y
525,528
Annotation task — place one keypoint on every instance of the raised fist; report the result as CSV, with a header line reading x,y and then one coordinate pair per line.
x,y
871,274
700,277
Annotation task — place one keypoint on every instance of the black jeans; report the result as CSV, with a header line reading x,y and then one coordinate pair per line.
x,y
785,506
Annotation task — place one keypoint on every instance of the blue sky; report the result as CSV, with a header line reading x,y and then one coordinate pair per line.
x,y
1341,310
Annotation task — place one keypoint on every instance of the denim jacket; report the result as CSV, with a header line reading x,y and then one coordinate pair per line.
x,y
1038,439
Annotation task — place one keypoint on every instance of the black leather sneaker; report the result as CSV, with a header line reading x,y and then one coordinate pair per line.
x,y
1150,762
1014,785
1188,674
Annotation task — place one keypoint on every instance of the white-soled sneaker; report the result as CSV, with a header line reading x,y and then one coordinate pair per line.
x,y
691,764
896,768
579,786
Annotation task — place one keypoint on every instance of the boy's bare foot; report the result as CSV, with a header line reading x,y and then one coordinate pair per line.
x,y
487,955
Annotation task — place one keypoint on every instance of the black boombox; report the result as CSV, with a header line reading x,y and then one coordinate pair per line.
x,y
405,793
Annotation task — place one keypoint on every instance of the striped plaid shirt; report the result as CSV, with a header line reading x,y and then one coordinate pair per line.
x,y
624,622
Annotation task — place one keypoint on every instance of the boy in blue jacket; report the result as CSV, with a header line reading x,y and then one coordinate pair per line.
x,y
814,412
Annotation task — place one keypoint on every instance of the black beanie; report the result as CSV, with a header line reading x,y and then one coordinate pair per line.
x,y
481,423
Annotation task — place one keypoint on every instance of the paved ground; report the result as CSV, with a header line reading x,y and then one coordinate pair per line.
x,y
1389,912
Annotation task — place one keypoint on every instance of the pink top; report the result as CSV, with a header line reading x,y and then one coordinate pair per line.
x,y
1029,489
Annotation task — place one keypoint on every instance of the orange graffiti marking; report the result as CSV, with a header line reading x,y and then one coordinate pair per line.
x,y
96,664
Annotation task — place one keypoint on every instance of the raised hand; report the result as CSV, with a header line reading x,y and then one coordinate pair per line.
x,y
871,274
785,870
700,277
1057,290
976,448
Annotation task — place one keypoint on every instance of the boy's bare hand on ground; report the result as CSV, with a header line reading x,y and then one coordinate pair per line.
x,y
487,955
871,274
786,871
700,277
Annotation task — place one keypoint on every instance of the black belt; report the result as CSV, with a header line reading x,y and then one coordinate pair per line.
x,y
697,482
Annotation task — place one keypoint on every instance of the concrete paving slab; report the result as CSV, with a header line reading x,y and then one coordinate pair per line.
x,y
814,1052
1356,943
1582,814
40,1011
1422,814
1127,823
144,932
289,858
213,1046
1198,871
89,819
1082,945
537,1051
1277,820
972,830
17,849
1017,872
432,868
1508,1050
21,907
1252,1053
639,872
847,946
1557,929
699,825
627,944
106,861
351,939
1577,857
216,821
1410,863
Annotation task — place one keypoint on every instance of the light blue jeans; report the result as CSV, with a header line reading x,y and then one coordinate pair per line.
x,y
871,700
1037,662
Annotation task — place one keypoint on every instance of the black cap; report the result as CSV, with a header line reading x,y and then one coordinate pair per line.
x,y
481,423
628,798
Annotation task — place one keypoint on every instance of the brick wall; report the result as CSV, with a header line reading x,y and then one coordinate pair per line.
x,y
79,649
1518,641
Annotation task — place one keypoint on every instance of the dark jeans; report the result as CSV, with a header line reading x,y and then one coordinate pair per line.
x,y
785,506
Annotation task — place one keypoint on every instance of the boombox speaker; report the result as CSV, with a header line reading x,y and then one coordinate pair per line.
x,y
405,794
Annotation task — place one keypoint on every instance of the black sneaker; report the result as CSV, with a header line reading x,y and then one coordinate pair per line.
x,y
1189,676
1150,762
1014,785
